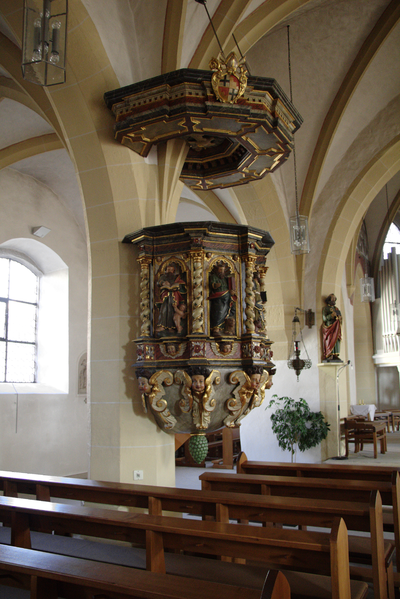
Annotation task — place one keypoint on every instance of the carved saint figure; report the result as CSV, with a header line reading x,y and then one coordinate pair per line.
x,y
259,320
249,394
172,307
222,299
331,330
197,391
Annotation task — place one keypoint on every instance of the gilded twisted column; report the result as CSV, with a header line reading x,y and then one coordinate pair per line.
x,y
263,271
198,307
145,295
249,299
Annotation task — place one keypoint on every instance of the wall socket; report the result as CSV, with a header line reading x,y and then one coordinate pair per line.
x,y
138,475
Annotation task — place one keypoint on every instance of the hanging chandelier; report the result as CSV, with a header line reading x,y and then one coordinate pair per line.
x,y
294,361
44,41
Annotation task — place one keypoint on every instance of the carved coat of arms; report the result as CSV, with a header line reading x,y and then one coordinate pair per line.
x,y
229,79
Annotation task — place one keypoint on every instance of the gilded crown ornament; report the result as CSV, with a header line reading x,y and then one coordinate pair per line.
x,y
229,79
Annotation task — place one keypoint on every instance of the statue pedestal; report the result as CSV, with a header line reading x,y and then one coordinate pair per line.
x,y
334,405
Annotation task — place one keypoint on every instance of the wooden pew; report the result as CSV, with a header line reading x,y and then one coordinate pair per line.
x,y
341,471
333,471
49,576
310,488
221,506
319,552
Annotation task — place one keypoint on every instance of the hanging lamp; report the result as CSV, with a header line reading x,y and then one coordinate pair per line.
x,y
299,238
367,288
294,361
44,41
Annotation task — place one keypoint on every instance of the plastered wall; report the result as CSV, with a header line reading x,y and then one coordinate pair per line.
x,y
44,429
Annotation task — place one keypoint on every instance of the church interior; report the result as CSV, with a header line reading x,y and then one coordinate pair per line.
x,y
199,223
70,193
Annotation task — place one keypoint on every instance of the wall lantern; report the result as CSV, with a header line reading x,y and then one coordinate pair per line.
x,y
295,362
44,41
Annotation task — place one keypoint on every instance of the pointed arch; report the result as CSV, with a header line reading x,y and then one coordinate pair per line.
x,y
348,216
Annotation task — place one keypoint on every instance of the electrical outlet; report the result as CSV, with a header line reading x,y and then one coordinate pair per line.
x,y
138,475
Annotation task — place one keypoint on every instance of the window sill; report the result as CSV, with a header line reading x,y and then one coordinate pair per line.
x,y
29,389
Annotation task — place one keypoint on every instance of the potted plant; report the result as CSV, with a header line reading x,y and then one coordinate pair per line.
x,y
295,425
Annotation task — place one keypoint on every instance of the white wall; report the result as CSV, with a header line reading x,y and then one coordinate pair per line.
x,y
256,436
46,429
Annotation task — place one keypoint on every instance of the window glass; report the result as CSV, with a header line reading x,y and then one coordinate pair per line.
x,y
4,268
23,283
3,306
20,363
2,361
21,322
18,316
392,240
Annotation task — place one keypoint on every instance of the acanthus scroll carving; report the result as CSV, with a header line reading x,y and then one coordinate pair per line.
x,y
151,387
249,393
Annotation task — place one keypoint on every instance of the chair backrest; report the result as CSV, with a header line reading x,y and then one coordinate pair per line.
x,y
350,421
366,427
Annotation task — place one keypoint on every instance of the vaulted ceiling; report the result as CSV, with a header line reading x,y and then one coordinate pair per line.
x,y
344,76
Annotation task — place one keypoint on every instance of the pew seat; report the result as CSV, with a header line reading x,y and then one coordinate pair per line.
x,y
50,576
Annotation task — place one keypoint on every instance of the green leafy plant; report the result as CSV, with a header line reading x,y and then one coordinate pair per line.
x,y
294,424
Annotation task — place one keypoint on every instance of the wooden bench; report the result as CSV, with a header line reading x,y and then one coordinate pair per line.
x,y
341,471
310,488
49,576
333,471
304,551
220,506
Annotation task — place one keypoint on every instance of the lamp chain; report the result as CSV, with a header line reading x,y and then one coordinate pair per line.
x,y
204,3
294,140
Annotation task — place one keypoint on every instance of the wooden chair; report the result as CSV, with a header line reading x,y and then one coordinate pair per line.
x,y
385,417
370,432
349,432
395,420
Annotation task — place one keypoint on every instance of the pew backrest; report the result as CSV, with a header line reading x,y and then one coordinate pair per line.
x,y
340,471
323,553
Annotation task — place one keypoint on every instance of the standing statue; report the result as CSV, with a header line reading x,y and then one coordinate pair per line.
x,y
331,330
172,307
259,320
222,301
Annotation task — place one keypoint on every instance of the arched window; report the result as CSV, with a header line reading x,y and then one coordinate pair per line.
x,y
45,340
19,292
392,240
